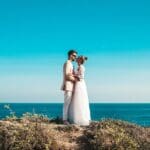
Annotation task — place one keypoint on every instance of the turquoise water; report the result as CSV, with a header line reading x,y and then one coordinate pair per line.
x,y
135,113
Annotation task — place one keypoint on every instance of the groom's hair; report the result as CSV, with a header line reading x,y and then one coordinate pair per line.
x,y
71,52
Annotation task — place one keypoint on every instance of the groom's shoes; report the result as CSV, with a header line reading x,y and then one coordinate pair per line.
x,y
66,122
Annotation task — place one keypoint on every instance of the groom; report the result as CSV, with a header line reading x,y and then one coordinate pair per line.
x,y
68,83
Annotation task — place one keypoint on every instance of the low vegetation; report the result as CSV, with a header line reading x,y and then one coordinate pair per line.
x,y
38,132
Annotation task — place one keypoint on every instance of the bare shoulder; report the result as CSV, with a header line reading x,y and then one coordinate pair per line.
x,y
82,66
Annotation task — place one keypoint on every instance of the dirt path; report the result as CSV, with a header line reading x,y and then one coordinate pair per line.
x,y
69,136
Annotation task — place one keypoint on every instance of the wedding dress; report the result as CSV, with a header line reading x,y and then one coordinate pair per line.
x,y
79,111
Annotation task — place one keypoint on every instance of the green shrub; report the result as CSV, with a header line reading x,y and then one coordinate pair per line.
x,y
26,136
116,135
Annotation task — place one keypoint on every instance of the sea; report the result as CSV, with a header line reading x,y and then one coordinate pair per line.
x,y
137,113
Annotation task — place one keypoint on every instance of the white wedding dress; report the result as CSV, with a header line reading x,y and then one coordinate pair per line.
x,y
79,111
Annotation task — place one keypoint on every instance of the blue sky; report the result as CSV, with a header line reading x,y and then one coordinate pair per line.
x,y
36,35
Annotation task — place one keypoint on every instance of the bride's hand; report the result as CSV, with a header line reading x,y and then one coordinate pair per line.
x,y
77,78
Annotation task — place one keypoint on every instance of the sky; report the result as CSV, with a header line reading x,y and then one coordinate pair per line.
x,y
35,36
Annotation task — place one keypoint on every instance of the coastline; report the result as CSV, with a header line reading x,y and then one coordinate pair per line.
x,y
135,113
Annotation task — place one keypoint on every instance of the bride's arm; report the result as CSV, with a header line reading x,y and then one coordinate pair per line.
x,y
80,73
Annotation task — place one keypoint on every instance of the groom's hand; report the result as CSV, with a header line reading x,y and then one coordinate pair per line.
x,y
70,77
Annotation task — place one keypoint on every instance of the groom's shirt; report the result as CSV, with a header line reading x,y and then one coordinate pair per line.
x,y
68,84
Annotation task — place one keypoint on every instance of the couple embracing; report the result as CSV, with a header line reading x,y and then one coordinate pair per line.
x,y
76,104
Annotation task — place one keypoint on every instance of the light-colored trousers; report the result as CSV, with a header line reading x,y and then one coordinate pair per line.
x,y
67,100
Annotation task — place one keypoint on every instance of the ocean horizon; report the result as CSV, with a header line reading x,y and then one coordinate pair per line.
x,y
138,113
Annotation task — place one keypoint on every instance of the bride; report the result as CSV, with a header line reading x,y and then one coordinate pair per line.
x,y
79,111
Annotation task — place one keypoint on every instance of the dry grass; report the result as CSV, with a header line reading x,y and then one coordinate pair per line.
x,y
38,132
117,135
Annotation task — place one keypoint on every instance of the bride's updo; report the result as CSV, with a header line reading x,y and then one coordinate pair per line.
x,y
82,59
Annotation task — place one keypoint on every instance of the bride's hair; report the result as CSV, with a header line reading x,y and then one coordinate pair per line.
x,y
83,59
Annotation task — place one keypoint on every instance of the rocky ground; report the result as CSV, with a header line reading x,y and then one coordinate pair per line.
x,y
36,132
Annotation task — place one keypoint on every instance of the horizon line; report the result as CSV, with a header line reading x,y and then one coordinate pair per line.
x,y
89,102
